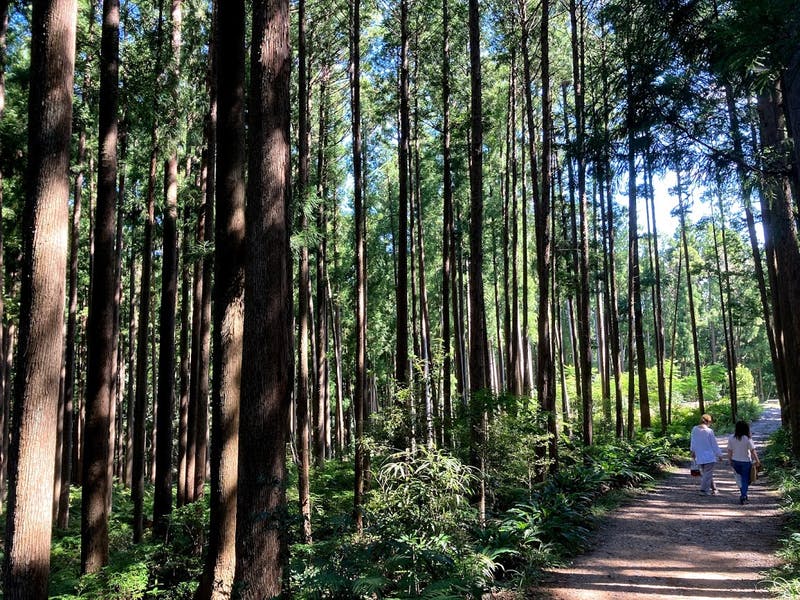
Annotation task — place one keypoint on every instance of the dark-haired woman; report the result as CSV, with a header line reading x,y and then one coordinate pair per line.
x,y
742,454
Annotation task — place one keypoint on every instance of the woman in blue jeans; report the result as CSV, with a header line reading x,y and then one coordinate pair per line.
x,y
742,454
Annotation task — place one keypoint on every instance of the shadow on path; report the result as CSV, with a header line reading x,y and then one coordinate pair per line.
x,y
674,543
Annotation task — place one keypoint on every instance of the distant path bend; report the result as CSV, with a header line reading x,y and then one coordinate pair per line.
x,y
674,543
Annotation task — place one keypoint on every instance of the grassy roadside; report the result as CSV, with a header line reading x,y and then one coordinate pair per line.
x,y
784,472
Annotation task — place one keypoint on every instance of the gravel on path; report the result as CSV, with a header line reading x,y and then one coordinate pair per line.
x,y
675,543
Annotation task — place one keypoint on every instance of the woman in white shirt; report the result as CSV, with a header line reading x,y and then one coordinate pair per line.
x,y
742,454
705,452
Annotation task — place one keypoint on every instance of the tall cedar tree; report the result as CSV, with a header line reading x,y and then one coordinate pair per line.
x,y
584,319
45,223
689,290
658,318
207,221
162,500
140,406
70,348
479,352
261,524
304,294
545,372
183,354
634,272
359,216
401,360
4,424
229,230
322,439
785,259
100,331
67,446
447,230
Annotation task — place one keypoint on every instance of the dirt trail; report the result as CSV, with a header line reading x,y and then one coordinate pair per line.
x,y
674,543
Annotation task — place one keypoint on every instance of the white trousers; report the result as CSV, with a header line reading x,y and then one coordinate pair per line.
x,y
707,477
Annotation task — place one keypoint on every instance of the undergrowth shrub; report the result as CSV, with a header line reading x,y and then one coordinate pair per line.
x,y
784,471
416,542
555,521
513,457
167,571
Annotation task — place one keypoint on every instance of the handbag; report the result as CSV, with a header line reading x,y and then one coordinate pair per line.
x,y
694,469
753,473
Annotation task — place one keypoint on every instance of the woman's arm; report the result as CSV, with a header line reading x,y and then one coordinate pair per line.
x,y
753,453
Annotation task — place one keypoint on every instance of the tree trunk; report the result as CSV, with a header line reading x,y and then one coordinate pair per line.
x,y
162,500
9,339
727,326
497,381
45,225
304,300
633,262
674,333
545,371
447,232
341,426
401,365
194,369
229,238
183,352
262,543
603,355
781,228
62,520
321,389
4,408
102,307
207,219
571,237
507,348
790,91
693,318
359,216
738,149
153,433
127,473
633,266
658,319
584,305
478,346
118,380
140,408
432,420
516,350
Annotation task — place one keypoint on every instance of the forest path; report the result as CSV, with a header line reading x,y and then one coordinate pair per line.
x,y
674,543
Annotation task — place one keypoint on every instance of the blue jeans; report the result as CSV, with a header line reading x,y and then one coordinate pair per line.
x,y
742,467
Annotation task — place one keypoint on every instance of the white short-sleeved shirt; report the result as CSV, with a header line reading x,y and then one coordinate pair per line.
x,y
741,447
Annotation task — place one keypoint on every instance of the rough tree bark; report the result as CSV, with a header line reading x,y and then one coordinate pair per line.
x,y
359,216
693,317
478,346
140,406
261,524
102,306
401,352
45,224
447,230
229,229
304,298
